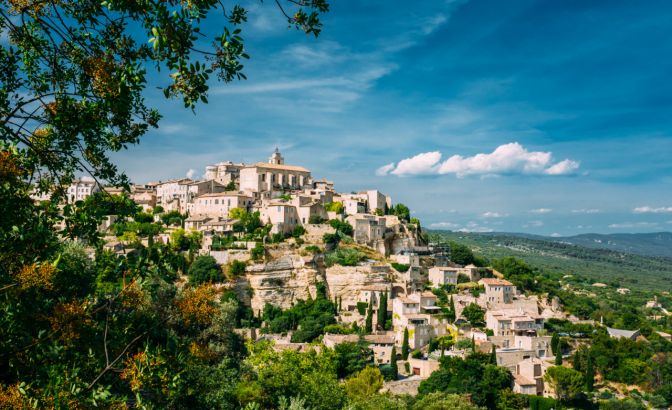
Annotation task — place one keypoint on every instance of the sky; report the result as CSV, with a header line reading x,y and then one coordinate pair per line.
x,y
544,117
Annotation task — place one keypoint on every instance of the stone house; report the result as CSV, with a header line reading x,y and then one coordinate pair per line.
x,y
273,176
498,291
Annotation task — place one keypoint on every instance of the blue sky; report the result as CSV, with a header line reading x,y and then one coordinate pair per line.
x,y
526,116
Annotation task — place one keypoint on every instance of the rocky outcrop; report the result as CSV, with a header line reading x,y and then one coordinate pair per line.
x,y
280,282
347,282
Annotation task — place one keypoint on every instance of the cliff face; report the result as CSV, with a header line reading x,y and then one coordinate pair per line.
x,y
347,282
279,282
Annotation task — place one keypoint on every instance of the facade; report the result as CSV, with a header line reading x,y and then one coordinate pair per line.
x,y
282,215
274,175
509,322
376,200
498,291
528,377
415,313
80,189
367,228
173,194
443,275
218,204
224,172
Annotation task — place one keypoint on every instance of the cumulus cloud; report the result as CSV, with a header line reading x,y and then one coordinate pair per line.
x,y
421,164
653,210
490,214
474,227
385,169
191,173
626,225
586,211
555,235
505,159
534,224
541,211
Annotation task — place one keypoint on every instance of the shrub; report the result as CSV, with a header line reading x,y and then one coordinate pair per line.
x,y
237,268
158,209
143,217
258,251
204,269
338,329
416,354
400,267
331,239
334,207
316,219
342,226
344,257
298,231
277,237
314,249
361,307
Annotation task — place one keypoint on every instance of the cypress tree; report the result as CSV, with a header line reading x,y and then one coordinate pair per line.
x,y
369,318
493,355
404,346
558,355
590,373
393,363
453,313
382,312
473,344
555,340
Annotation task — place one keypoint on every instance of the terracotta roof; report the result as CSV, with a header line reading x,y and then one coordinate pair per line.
x,y
278,167
220,194
380,339
495,281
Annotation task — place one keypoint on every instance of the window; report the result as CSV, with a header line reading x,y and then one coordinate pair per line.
x,y
216,201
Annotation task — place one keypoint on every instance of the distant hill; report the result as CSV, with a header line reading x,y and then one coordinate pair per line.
x,y
647,244
600,263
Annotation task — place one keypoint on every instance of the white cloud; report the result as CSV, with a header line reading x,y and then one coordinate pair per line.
x,y
385,169
540,211
505,159
652,210
490,214
443,225
586,211
420,164
563,168
633,225
534,224
555,235
191,173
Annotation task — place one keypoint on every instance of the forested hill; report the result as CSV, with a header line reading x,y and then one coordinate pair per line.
x,y
612,267
647,244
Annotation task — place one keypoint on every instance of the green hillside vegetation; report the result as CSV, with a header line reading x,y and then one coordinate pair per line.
x,y
617,269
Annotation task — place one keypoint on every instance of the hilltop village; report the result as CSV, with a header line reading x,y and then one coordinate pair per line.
x,y
283,242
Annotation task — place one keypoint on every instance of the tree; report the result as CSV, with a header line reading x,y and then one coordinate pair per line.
x,y
402,212
368,327
382,311
493,355
451,315
461,254
364,385
590,373
443,401
474,314
205,269
393,362
566,382
75,74
445,342
236,268
351,357
555,343
558,355
404,345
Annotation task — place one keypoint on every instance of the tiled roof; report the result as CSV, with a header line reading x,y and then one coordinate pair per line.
x,y
495,282
281,167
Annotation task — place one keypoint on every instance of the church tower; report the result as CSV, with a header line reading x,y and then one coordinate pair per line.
x,y
276,158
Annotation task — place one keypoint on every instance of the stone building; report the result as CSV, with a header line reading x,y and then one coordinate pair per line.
x,y
274,175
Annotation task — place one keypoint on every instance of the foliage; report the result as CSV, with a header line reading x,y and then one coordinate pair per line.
x,y
205,269
393,364
316,219
344,257
181,240
441,401
236,268
336,207
368,326
257,253
461,254
405,348
566,382
351,357
381,317
173,218
361,308
401,211
313,249
298,231
400,267
364,385
473,375
341,226
331,239
474,314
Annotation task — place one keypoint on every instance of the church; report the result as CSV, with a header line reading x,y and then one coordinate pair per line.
x,y
273,176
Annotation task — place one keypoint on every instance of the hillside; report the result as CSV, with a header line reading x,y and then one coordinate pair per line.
x,y
609,266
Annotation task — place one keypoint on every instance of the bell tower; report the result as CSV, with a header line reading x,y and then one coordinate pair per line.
x,y
276,158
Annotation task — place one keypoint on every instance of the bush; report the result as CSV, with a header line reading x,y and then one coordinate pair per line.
x,y
400,267
344,257
298,231
338,329
258,251
237,268
313,249
158,210
204,269
416,354
316,220
361,308
143,217
277,237
342,226
334,207
331,239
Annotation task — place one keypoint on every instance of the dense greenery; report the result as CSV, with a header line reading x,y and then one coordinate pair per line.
x,y
205,269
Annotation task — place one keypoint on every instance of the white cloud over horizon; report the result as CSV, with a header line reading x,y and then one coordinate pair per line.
x,y
540,211
653,210
191,173
629,225
586,211
491,214
511,158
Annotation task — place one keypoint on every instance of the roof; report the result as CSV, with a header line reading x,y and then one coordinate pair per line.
x,y
495,282
278,167
523,381
181,181
375,287
221,223
197,218
622,333
220,194
380,339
